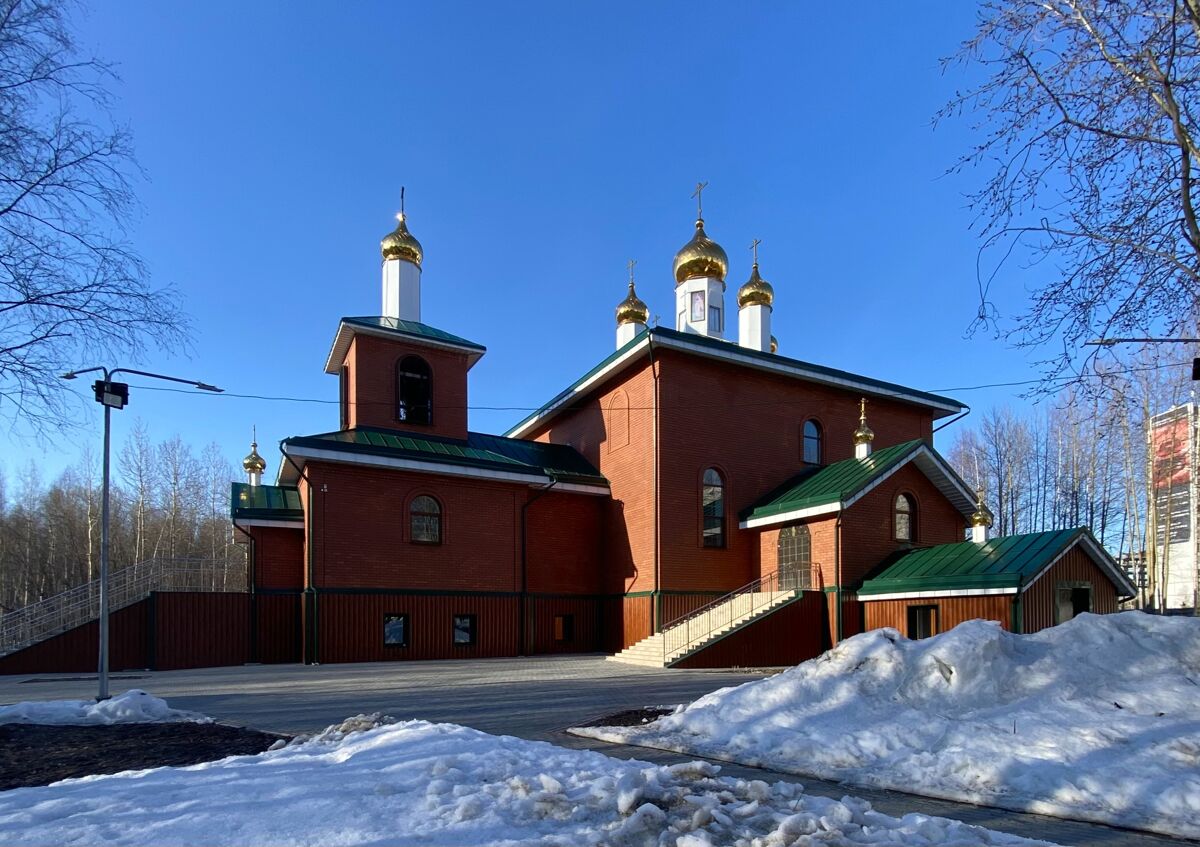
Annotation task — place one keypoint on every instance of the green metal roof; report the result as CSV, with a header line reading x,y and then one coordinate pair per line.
x,y
265,502
414,329
1006,562
831,484
478,450
717,345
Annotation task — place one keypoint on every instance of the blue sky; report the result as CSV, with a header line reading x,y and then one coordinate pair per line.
x,y
542,146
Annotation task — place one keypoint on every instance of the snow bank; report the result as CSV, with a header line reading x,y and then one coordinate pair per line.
x,y
1097,719
421,783
134,706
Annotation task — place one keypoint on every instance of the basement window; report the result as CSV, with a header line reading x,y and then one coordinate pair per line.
x,y
564,628
395,630
922,621
464,630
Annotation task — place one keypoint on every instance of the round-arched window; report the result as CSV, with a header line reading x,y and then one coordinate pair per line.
x,y
425,520
795,558
712,508
812,442
906,518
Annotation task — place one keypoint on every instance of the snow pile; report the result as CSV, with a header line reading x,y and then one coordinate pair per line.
x,y
422,783
134,706
1097,719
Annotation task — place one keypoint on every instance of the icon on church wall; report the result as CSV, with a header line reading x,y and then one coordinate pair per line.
x,y
697,306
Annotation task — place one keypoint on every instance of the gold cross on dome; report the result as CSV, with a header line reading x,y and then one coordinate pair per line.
x,y
700,186
862,410
630,265
754,247
400,216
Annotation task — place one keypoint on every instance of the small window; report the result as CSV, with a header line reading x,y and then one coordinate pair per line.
x,y
1071,599
714,319
395,630
425,520
344,393
795,558
922,621
905,518
464,629
712,499
812,452
414,391
564,628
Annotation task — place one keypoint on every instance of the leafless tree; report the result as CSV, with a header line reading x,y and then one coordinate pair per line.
x,y
72,290
1088,130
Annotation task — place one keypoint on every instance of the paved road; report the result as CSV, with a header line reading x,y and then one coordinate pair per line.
x,y
533,698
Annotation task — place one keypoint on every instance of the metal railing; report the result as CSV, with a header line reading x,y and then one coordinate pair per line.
x,y
693,629
74,607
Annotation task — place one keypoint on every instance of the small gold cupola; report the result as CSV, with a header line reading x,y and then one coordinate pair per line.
x,y
254,464
632,313
756,291
981,520
774,344
864,435
400,244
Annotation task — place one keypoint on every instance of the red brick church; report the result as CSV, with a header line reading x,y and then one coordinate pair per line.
x,y
797,506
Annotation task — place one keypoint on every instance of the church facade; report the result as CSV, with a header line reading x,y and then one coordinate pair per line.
x,y
771,506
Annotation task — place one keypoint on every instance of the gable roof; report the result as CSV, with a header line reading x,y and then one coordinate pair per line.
x,y
1004,565
830,489
729,352
396,328
479,455
264,502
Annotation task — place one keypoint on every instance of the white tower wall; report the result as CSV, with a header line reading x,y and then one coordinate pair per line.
x,y
255,478
754,327
861,451
627,332
703,321
401,290
979,534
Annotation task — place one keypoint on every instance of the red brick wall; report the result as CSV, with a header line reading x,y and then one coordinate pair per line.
x,y
564,543
372,387
278,556
361,533
868,533
822,534
1075,565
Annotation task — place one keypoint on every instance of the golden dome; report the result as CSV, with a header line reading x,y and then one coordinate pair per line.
x,y
254,463
632,310
864,434
756,292
700,257
983,515
774,344
400,244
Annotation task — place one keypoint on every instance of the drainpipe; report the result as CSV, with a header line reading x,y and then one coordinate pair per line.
x,y
523,600
251,580
656,599
310,589
837,589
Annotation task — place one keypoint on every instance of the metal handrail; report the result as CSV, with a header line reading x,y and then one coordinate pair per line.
x,y
79,605
696,627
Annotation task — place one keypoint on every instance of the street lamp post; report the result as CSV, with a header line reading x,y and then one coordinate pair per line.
x,y
114,395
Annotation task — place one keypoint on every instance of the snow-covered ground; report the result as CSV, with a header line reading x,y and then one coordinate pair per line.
x,y
1097,719
441,784
133,706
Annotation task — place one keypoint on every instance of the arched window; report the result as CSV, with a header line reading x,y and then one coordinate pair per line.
x,y
812,442
712,499
425,520
414,391
906,518
618,421
795,558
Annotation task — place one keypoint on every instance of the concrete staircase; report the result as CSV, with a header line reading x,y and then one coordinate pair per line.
x,y
696,631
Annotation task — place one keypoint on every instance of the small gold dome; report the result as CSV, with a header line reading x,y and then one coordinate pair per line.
x,y
632,310
983,515
774,344
864,434
700,257
400,244
254,463
756,292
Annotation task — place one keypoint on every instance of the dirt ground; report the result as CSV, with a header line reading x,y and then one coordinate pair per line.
x,y
33,754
